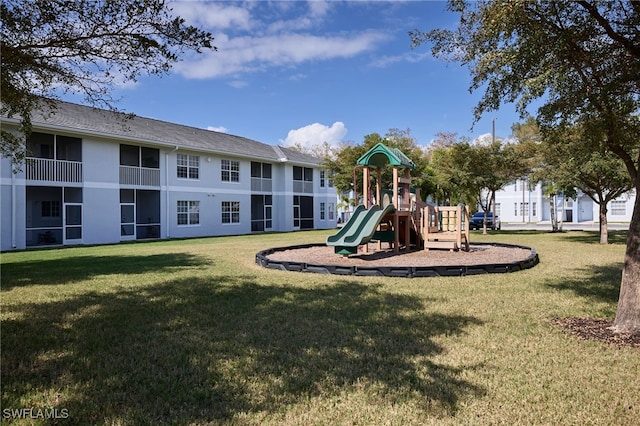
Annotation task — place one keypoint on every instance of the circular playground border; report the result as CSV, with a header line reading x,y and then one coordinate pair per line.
x,y
262,259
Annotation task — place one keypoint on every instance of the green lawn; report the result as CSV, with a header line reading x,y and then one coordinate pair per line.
x,y
194,332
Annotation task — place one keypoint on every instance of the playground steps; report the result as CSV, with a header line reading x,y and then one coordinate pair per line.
x,y
446,240
451,245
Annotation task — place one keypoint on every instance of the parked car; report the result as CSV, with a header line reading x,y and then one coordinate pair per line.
x,y
476,221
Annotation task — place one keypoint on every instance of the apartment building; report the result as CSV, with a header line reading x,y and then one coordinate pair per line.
x,y
521,202
93,176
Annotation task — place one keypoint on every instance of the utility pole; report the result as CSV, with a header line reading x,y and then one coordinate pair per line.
x,y
493,197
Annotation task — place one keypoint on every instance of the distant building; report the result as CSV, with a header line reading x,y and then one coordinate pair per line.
x,y
520,202
96,177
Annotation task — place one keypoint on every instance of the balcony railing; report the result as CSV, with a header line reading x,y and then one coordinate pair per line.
x,y
260,184
131,175
303,186
44,169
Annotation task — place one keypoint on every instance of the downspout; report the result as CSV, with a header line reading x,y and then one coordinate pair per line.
x,y
167,187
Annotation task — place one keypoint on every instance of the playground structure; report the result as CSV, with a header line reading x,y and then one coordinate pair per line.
x,y
398,216
445,227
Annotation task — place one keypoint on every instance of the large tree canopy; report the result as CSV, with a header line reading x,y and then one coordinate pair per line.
x,y
83,46
583,59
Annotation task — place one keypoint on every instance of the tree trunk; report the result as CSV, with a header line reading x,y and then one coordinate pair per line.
x,y
604,230
560,217
628,314
484,223
552,213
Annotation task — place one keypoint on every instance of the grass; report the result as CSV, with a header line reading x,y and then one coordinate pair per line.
x,y
193,332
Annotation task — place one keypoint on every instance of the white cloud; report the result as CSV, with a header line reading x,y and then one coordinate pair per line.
x,y
317,12
409,57
213,15
249,39
316,134
318,8
220,129
483,140
249,54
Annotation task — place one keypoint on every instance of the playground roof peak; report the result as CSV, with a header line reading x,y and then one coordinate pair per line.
x,y
381,155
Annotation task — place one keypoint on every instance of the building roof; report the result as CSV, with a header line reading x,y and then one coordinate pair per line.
x,y
75,118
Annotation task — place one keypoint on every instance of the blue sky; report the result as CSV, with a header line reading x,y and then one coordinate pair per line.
x,y
301,72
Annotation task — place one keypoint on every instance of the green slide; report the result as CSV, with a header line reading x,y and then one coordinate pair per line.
x,y
359,229
348,227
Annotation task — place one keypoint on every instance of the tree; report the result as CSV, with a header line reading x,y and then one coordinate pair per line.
x,y
586,165
570,158
478,171
444,193
82,46
347,176
583,59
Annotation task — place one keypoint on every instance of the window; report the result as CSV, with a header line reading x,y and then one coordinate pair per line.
x,y
303,173
150,157
260,177
230,171
40,145
188,166
44,145
331,210
533,209
260,170
322,213
129,155
51,209
188,212
619,208
231,212
136,156
302,179
68,148
325,179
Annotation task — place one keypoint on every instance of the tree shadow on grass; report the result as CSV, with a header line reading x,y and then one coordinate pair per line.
x,y
593,237
201,350
596,283
79,268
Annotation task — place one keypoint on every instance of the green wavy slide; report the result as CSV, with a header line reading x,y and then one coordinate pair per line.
x,y
359,229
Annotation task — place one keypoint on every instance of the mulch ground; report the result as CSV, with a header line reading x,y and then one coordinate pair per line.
x,y
598,329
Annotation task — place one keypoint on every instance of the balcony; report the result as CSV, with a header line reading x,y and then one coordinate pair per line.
x,y
44,169
305,187
139,176
261,184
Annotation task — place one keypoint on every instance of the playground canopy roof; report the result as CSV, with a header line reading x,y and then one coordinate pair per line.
x,y
381,155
